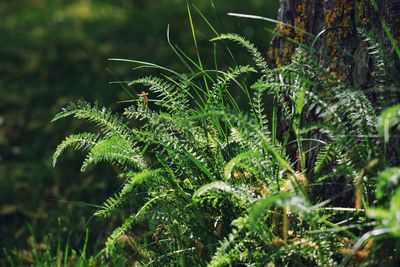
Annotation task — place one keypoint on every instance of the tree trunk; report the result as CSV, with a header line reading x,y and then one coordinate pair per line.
x,y
342,52
335,31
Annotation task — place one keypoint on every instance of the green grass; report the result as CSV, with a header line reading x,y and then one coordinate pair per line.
x,y
57,251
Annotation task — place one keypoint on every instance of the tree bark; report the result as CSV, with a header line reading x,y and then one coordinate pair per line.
x,y
342,52
330,29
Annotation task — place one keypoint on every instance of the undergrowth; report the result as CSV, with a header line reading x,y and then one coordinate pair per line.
x,y
57,251
223,183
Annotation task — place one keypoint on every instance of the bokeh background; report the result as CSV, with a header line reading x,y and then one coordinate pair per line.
x,y
53,52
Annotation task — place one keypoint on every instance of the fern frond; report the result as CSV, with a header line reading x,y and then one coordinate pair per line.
x,y
215,97
114,150
322,108
138,112
172,97
78,141
241,193
133,181
389,118
358,109
129,222
274,85
258,105
108,122
225,255
324,156
376,51
247,132
253,51
236,162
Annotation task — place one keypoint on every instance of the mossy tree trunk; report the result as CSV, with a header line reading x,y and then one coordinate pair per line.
x,y
341,50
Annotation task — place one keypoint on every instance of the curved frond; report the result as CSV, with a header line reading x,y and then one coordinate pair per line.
x,y
243,194
78,141
324,156
133,181
129,222
173,97
220,89
114,150
103,118
376,51
256,55
229,167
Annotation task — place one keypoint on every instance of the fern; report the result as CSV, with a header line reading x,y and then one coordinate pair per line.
x,y
255,54
378,56
134,180
236,161
388,119
82,141
218,93
258,106
139,113
244,195
325,156
108,123
129,222
214,186
114,150
172,98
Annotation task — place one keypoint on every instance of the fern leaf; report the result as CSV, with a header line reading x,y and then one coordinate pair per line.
x,y
129,222
236,161
134,180
103,118
258,104
114,150
390,117
377,54
78,141
220,87
173,98
256,55
240,193
324,157
225,255
138,113
219,185
199,164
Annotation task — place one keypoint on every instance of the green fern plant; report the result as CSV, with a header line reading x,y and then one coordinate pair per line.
x,y
224,186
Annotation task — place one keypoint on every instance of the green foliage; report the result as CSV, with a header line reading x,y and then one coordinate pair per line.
x,y
388,180
80,141
55,251
171,97
255,54
133,180
324,157
216,187
388,119
55,52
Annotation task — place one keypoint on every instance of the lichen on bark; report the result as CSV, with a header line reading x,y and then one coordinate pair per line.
x,y
341,50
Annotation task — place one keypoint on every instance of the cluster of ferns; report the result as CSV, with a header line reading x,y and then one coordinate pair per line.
x,y
302,174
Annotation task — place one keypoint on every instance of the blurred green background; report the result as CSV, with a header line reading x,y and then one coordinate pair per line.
x,y
53,52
